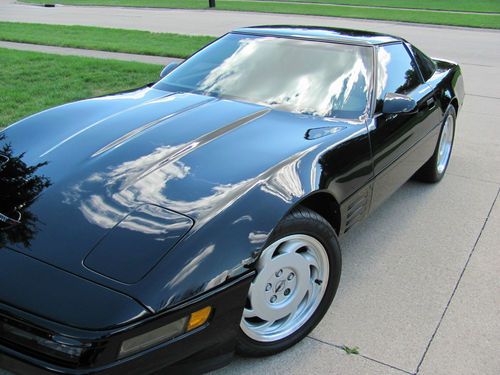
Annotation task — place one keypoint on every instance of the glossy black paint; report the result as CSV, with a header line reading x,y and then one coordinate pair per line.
x,y
156,229
204,348
97,182
397,134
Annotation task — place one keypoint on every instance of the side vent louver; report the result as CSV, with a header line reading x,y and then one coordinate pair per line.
x,y
357,209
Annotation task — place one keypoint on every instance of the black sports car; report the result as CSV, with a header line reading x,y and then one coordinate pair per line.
x,y
171,226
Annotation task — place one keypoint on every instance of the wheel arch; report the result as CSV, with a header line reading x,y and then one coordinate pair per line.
x,y
451,86
325,205
454,103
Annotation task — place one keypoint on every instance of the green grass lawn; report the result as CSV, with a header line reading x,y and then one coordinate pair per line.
x,y
458,5
32,81
116,40
417,16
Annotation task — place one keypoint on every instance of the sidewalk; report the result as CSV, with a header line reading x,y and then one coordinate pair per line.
x,y
160,60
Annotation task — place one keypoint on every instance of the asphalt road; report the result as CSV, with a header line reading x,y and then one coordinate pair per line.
x,y
420,290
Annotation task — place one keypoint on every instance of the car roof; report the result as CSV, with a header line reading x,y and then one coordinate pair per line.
x,y
331,34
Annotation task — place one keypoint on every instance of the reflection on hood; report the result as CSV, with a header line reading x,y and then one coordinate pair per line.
x,y
20,186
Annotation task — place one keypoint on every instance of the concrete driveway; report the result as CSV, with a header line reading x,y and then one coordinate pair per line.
x,y
420,290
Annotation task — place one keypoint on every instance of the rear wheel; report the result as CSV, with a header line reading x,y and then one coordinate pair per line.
x,y
435,168
297,276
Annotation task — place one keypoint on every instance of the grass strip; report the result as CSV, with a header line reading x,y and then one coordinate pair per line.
x,y
33,81
104,39
386,14
487,6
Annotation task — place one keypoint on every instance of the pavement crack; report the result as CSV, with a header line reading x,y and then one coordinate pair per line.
x,y
341,347
482,96
473,178
457,283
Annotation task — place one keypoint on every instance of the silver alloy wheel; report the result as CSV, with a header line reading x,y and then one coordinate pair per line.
x,y
292,276
445,143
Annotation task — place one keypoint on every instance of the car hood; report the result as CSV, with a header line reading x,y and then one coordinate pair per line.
x,y
96,182
47,292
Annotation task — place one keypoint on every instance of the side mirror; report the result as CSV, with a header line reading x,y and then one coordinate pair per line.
x,y
397,103
168,69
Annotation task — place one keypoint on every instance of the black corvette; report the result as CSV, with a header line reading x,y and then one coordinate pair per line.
x,y
168,227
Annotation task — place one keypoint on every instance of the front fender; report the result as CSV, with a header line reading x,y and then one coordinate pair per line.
x,y
225,243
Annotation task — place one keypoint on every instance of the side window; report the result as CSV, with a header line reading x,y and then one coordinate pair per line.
x,y
425,63
396,71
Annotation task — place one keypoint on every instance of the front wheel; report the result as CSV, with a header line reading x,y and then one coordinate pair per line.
x,y
297,276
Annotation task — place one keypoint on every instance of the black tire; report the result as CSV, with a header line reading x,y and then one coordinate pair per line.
x,y
300,221
429,171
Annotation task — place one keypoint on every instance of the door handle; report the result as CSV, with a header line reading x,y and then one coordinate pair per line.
x,y
431,102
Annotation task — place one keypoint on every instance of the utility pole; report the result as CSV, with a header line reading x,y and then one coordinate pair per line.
x,y
211,3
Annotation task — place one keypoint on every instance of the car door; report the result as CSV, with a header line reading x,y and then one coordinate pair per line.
x,y
396,138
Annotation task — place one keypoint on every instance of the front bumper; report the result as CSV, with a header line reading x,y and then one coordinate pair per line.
x,y
205,348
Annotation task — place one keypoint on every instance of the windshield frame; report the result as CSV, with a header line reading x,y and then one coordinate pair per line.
x,y
369,109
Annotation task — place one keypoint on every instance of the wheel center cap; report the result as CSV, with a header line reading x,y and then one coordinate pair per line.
x,y
280,286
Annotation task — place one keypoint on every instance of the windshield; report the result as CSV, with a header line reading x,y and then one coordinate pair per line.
x,y
317,78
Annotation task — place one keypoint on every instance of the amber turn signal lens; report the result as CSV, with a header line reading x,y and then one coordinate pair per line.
x,y
198,318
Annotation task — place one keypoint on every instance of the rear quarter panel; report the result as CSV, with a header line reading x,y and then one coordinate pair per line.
x,y
448,83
